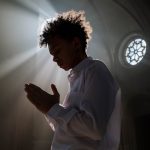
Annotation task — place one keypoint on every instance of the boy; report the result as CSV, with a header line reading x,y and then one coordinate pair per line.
x,y
89,118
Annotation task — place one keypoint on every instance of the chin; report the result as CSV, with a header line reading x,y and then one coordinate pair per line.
x,y
65,68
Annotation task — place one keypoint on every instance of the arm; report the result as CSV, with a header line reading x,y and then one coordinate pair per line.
x,y
96,106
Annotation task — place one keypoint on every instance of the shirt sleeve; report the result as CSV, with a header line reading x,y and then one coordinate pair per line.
x,y
90,119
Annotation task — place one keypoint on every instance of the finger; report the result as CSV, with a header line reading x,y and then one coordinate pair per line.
x,y
37,90
54,89
33,99
32,91
26,86
34,87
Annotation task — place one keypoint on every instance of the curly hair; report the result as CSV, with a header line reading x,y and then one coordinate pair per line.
x,y
67,25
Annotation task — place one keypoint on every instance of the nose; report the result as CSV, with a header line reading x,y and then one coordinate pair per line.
x,y
55,58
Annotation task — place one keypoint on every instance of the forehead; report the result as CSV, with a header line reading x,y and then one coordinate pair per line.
x,y
56,41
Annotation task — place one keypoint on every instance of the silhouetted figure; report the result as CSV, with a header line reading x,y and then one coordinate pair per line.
x,y
89,118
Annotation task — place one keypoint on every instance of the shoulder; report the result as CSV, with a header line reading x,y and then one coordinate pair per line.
x,y
98,70
96,66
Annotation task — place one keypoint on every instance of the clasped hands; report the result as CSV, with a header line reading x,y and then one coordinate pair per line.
x,y
42,100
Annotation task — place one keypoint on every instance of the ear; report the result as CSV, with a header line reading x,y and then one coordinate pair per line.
x,y
76,42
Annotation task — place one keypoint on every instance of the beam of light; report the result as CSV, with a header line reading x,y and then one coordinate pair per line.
x,y
22,118
42,8
44,73
23,114
36,6
12,63
50,73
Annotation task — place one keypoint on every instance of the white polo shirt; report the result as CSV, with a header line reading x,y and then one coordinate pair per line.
x,y
90,116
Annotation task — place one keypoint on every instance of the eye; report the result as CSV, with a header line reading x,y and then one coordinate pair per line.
x,y
57,51
54,52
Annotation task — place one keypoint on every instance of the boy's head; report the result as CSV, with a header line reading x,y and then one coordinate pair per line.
x,y
68,33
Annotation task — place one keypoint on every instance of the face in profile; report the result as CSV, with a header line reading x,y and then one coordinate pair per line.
x,y
64,52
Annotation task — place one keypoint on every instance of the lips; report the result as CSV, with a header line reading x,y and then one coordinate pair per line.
x,y
59,63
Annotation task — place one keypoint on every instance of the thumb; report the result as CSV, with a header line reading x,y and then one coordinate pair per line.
x,y
54,89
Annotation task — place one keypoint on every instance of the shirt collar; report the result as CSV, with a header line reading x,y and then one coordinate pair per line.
x,y
81,65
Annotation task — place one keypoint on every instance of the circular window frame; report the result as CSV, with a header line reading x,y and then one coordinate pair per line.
x,y
123,48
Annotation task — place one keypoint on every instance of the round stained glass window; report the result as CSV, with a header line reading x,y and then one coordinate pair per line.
x,y
135,51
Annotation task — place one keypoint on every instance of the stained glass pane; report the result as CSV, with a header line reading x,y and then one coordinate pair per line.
x,y
135,51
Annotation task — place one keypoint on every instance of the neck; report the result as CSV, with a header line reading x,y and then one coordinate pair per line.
x,y
78,59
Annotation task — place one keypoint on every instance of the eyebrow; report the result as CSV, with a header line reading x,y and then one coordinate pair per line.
x,y
53,51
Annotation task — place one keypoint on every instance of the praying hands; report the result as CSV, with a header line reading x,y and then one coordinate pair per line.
x,y
42,100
